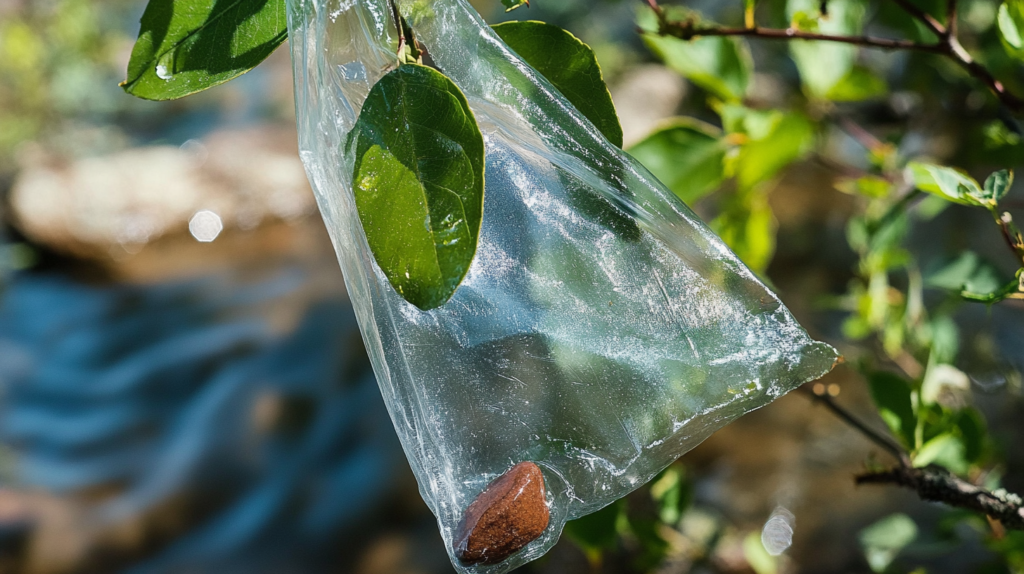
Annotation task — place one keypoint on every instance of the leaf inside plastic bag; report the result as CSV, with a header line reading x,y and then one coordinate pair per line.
x,y
602,329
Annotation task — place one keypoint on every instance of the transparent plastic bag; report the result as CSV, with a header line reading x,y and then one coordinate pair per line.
x,y
602,330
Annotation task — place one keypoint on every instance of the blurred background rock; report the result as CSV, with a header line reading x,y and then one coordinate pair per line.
x,y
182,383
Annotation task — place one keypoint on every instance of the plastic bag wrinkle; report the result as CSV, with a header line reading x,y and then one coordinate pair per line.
x,y
602,329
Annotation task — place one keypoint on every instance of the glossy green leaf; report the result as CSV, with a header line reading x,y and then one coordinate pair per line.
x,y
892,396
722,66
570,66
1010,20
997,185
824,65
185,47
883,540
945,182
687,155
419,182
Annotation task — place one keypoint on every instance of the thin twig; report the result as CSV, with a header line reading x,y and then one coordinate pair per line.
x,y
1010,234
939,485
685,32
874,436
931,483
925,18
951,16
863,136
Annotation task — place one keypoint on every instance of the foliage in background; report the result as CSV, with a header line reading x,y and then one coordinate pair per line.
x,y
58,64
876,120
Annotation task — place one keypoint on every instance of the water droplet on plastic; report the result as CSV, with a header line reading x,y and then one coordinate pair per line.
x,y
165,67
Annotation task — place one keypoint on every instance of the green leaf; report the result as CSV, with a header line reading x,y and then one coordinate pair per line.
x,y
974,278
1010,20
824,65
511,5
946,450
971,425
188,46
722,66
892,397
596,532
869,186
748,227
858,85
989,295
939,377
945,182
670,492
997,185
687,155
757,556
968,272
570,66
419,182
783,139
883,540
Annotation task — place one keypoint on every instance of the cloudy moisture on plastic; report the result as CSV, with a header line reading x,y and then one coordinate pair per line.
x,y
602,330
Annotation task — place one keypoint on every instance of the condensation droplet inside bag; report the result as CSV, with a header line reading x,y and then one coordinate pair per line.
x,y
597,354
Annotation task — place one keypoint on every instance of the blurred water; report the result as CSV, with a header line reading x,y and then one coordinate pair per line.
x,y
185,389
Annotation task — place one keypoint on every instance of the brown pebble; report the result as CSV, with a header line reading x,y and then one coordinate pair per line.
x,y
509,514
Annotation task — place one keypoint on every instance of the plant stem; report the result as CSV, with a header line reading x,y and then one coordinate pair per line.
x,y
925,18
871,434
684,32
951,16
938,485
931,483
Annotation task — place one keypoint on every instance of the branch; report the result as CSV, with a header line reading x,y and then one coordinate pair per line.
x,y
882,440
948,44
689,31
951,16
936,484
931,483
1011,234
925,18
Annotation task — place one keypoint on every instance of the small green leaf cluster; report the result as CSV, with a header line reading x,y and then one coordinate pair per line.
x,y
750,151
637,523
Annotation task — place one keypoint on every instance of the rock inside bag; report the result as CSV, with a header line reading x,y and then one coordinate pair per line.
x,y
600,331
